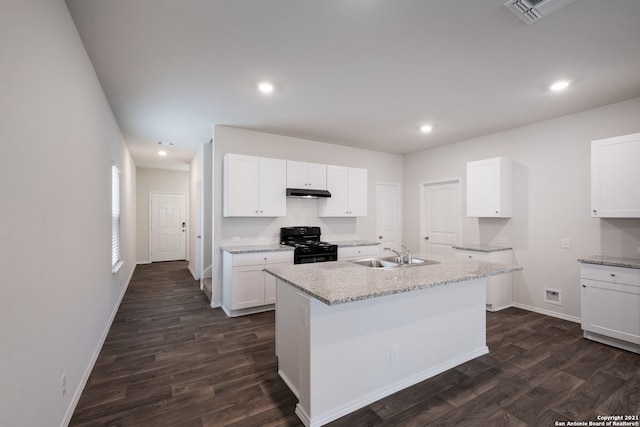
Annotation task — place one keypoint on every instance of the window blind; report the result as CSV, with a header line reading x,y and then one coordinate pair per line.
x,y
115,215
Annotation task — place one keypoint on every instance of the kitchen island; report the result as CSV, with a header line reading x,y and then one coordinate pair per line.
x,y
348,335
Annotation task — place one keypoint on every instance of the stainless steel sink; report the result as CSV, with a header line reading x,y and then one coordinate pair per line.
x,y
376,263
392,262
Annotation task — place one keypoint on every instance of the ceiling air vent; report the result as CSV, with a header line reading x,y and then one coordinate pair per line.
x,y
532,10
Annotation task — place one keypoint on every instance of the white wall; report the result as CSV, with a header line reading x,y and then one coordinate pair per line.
x,y
551,195
154,180
382,167
58,139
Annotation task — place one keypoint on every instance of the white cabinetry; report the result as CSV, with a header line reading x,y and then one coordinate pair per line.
x,y
611,305
489,188
311,176
357,252
348,188
246,288
254,186
615,176
499,288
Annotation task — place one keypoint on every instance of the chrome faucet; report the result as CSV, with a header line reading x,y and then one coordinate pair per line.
x,y
402,258
408,257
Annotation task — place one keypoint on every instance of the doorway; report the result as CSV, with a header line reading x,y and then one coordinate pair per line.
x,y
440,216
388,214
167,226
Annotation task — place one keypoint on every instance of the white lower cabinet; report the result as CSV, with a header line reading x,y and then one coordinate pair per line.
x,y
246,287
611,305
358,252
499,288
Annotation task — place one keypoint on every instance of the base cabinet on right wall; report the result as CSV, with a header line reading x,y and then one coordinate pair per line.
x,y
611,305
499,288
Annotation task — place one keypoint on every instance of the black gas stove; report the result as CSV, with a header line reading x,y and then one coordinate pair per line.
x,y
308,246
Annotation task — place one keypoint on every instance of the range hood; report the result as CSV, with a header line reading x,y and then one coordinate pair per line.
x,y
307,193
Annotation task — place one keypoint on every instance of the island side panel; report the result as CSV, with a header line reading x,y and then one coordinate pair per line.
x,y
290,322
361,351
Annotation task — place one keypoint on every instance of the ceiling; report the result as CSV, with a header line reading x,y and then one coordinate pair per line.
x,y
363,73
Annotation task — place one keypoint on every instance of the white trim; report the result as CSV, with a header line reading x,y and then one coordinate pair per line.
x,y
94,358
547,312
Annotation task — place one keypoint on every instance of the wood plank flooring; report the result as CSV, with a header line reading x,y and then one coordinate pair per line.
x,y
171,360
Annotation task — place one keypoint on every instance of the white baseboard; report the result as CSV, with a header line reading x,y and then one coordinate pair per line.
x,y
142,262
547,312
94,358
193,273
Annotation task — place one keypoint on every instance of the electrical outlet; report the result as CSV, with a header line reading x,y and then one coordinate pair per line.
x,y
63,384
566,243
394,353
638,249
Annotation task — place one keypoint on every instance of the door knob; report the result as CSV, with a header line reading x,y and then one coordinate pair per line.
x,y
380,237
426,237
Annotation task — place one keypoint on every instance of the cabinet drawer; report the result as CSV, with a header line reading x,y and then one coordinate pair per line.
x,y
605,273
474,256
260,258
358,252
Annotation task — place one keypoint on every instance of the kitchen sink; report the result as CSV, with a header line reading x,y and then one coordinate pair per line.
x,y
392,262
376,263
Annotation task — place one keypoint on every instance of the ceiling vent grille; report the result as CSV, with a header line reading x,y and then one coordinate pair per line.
x,y
531,11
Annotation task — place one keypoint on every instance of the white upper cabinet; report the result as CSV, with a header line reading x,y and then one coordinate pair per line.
x,y
254,186
489,188
312,176
615,175
348,188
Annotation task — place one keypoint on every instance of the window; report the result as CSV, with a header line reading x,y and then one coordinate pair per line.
x,y
115,218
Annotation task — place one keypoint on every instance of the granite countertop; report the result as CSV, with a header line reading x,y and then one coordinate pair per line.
x,y
612,261
248,249
481,248
343,281
353,243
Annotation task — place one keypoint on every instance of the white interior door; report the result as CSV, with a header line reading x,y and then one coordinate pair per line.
x,y
168,226
388,221
440,213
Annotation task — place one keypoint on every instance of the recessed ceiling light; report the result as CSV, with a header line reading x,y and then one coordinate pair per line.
x,y
426,128
265,87
162,153
560,85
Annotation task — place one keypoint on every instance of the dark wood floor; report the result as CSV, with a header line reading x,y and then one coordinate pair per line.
x,y
170,360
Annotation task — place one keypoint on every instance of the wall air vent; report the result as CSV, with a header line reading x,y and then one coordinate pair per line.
x,y
531,11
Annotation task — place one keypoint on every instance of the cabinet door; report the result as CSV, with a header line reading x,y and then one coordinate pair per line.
x,y
611,309
273,187
241,185
615,176
357,201
297,174
489,188
337,204
248,287
317,176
